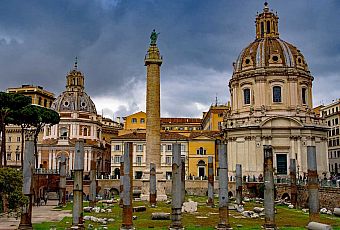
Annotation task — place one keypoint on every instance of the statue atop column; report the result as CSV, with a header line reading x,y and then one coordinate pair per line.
x,y
153,37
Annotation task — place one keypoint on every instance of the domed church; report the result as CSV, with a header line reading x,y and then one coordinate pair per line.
x,y
78,120
271,104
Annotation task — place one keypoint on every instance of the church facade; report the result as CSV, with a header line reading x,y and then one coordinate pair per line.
x,y
271,104
78,120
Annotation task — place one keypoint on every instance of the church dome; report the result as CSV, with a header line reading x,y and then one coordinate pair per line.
x,y
74,98
268,50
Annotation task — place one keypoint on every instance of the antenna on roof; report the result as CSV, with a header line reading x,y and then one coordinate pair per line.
x,y
216,100
76,63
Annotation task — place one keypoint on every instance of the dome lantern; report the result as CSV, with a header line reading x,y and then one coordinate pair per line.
x,y
75,79
267,24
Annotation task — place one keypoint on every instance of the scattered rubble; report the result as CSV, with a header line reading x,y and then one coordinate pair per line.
x,y
189,206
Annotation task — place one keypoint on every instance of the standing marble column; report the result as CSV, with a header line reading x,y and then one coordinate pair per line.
x,y
28,169
183,179
313,185
78,185
223,187
238,184
153,189
93,184
293,187
62,183
210,182
127,188
269,206
121,179
176,189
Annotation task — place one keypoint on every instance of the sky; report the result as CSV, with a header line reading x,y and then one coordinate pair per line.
x,y
199,40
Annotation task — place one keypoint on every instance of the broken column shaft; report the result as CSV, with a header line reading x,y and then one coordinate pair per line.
x,y
210,182
153,189
28,168
127,187
313,185
176,189
223,186
78,184
269,206
238,184
62,183
93,184
293,187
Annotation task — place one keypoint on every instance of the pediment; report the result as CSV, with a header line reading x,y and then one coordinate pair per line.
x,y
281,122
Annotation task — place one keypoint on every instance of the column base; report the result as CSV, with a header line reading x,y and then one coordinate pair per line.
x,y
161,195
270,227
127,228
176,228
25,227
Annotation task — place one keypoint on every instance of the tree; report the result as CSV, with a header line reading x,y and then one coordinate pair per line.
x,y
9,102
44,116
25,118
11,182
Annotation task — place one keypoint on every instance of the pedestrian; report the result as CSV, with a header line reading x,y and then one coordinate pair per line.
x,y
45,199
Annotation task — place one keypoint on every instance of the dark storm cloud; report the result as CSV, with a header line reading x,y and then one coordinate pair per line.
x,y
198,39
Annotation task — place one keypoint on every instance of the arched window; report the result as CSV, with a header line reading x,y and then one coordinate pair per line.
x,y
277,94
268,27
85,132
246,96
304,96
262,29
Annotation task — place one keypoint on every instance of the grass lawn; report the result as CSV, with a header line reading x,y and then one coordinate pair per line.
x,y
206,218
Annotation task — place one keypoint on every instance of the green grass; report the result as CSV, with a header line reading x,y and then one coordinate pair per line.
x,y
285,218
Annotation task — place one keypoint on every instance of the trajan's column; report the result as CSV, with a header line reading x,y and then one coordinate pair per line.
x,y
153,62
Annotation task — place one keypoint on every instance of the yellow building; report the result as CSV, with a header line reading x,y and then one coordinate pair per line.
x,y
202,144
135,121
39,96
213,119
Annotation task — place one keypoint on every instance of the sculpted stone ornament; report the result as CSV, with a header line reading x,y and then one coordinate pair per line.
x,y
153,37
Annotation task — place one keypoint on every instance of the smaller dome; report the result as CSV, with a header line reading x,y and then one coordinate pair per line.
x,y
270,52
74,98
73,101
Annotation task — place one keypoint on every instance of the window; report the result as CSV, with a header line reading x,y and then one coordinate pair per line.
x,y
18,139
134,120
276,94
246,96
336,122
63,132
117,159
85,131
168,160
117,147
139,160
9,139
262,29
9,156
139,148
168,147
17,156
268,27
142,120
304,96
182,148
281,162
201,151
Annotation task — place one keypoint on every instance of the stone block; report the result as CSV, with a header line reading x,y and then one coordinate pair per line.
x,y
160,216
318,226
189,207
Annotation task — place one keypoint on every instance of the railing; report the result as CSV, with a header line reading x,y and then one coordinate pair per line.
x,y
46,171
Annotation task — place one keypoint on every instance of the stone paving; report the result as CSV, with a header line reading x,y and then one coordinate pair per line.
x,y
40,214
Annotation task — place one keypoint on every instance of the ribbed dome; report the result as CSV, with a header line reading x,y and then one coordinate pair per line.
x,y
270,52
73,101
74,98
